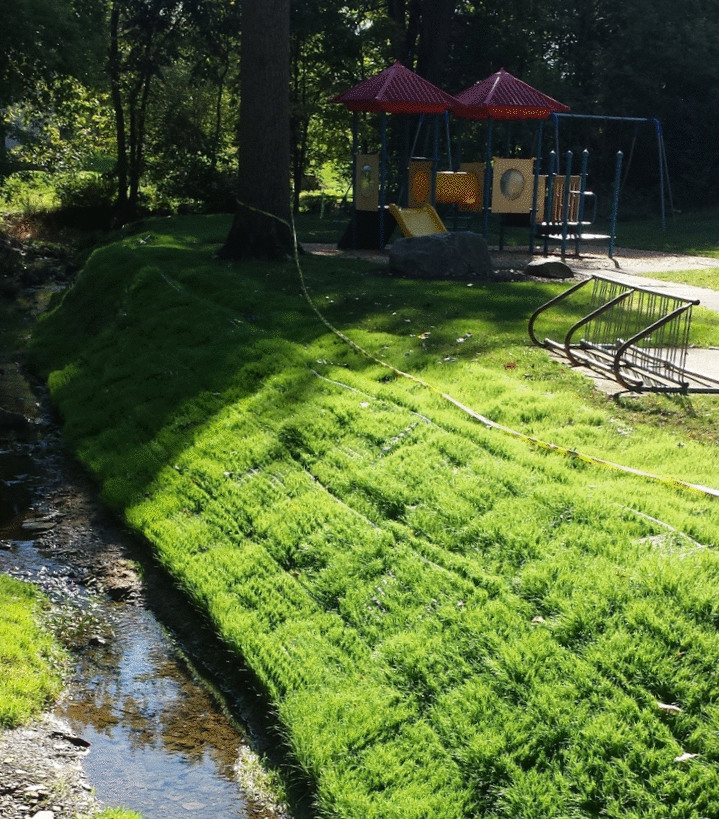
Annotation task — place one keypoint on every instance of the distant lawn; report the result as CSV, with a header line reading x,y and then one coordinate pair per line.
x,y
694,233
451,622
703,277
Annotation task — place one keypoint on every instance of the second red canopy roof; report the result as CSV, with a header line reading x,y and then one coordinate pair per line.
x,y
504,96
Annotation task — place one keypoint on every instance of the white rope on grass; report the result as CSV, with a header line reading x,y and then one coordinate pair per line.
x,y
487,422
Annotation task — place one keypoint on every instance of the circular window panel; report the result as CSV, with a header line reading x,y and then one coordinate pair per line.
x,y
511,184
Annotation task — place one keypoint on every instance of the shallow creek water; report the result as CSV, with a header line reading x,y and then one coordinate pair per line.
x,y
163,742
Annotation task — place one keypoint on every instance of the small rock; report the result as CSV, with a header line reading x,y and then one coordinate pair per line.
x,y
44,814
549,269
78,742
34,793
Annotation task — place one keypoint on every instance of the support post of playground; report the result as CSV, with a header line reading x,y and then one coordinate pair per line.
x,y
615,203
382,177
565,200
487,179
582,192
535,191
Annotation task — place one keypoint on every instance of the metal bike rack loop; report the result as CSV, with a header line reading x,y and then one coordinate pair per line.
x,y
635,335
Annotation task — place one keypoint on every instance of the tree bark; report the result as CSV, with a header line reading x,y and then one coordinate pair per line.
x,y
260,228
434,39
116,95
423,34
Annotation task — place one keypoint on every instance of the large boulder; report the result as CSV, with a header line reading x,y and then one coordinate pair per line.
x,y
441,256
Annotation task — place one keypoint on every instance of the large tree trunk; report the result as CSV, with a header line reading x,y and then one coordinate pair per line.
x,y
422,34
116,94
261,225
434,39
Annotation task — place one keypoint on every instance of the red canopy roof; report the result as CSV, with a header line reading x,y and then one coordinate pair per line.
x,y
503,96
397,90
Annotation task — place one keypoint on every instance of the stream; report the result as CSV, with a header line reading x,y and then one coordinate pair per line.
x,y
173,725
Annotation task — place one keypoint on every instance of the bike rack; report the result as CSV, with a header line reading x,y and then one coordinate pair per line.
x,y
636,335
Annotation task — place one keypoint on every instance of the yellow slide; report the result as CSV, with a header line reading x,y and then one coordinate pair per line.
x,y
421,221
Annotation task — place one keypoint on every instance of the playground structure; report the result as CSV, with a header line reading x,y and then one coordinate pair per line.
x,y
635,335
553,204
463,187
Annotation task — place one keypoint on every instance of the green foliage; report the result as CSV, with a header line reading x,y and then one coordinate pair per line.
x,y
41,39
84,190
60,126
185,55
28,193
29,657
192,155
450,622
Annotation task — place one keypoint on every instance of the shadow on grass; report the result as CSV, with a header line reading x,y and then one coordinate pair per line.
x,y
158,337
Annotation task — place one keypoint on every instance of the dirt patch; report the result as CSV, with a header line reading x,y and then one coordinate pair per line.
x,y
640,262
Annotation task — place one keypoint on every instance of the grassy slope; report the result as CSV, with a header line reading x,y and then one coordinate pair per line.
x,y
451,622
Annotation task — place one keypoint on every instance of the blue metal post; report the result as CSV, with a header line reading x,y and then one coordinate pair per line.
x,y
353,215
449,140
435,160
615,203
487,178
582,191
535,192
382,176
565,201
660,144
549,211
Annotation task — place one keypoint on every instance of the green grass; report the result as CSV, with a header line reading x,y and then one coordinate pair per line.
x,y
702,277
31,663
694,233
449,621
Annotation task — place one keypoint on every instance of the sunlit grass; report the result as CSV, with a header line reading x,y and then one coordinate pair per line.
x,y
30,662
450,621
701,277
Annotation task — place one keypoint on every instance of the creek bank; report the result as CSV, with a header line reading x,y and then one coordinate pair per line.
x,y
52,512
41,770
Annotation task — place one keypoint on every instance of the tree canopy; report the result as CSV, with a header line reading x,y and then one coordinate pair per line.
x,y
166,73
